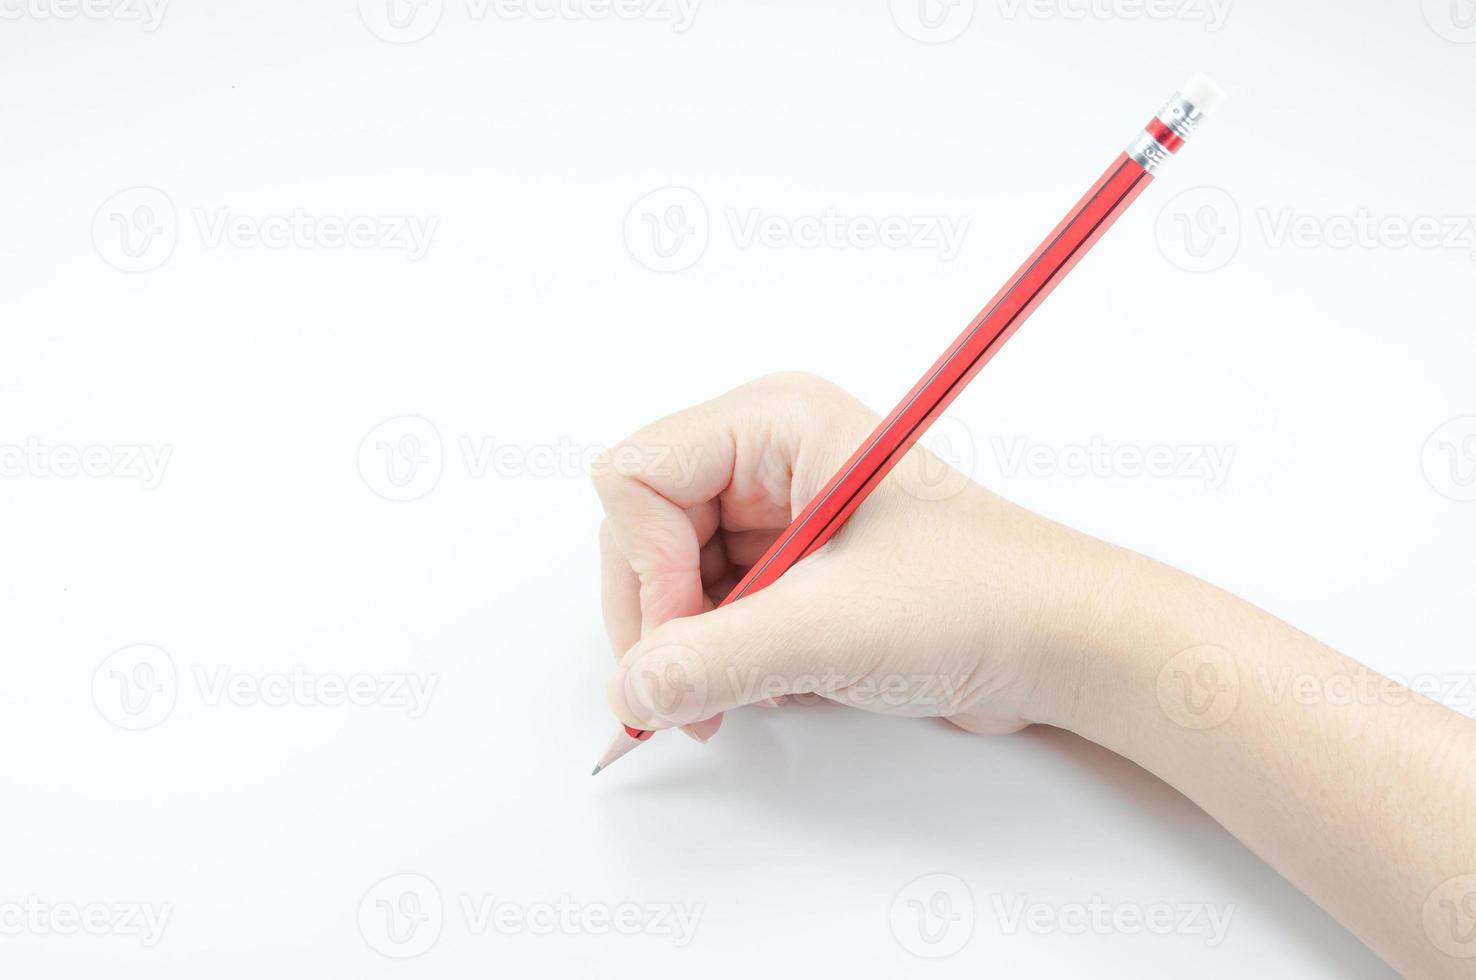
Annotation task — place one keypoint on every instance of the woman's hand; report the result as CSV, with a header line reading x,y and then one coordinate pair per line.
x,y
936,598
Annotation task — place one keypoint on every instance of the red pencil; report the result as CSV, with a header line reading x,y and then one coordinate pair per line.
x,y
1122,182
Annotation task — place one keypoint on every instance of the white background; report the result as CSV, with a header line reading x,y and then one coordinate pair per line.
x,y
533,326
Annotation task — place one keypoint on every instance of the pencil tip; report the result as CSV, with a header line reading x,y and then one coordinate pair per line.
x,y
621,744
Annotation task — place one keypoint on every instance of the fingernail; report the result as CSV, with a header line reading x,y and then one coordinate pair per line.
x,y
702,731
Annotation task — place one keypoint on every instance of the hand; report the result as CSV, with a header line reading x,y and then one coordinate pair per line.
x,y
936,598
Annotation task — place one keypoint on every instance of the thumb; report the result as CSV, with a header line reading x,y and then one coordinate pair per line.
x,y
689,670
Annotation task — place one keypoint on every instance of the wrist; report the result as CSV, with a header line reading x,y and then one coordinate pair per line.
x,y
1106,621
1051,602
1079,664
1133,640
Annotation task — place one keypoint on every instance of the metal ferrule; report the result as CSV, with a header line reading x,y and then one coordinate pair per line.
x,y
1148,153
1181,116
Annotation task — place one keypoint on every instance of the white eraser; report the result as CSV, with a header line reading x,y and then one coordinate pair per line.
x,y
1201,92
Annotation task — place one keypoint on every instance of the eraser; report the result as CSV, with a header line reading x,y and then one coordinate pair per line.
x,y
1201,92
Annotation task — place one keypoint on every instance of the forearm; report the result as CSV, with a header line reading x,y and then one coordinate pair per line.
x,y
1360,792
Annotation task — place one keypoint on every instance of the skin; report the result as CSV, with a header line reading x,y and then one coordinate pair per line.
x,y
939,598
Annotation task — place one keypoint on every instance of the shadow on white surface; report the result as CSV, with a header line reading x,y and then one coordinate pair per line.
x,y
1041,813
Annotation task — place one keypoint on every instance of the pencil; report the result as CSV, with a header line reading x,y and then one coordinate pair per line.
x,y
1117,188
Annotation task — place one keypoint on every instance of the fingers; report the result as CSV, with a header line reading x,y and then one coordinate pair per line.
x,y
689,670
734,463
746,547
620,591
666,489
647,485
695,494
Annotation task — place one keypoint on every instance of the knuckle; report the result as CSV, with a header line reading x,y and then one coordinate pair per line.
x,y
600,469
619,463
797,383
